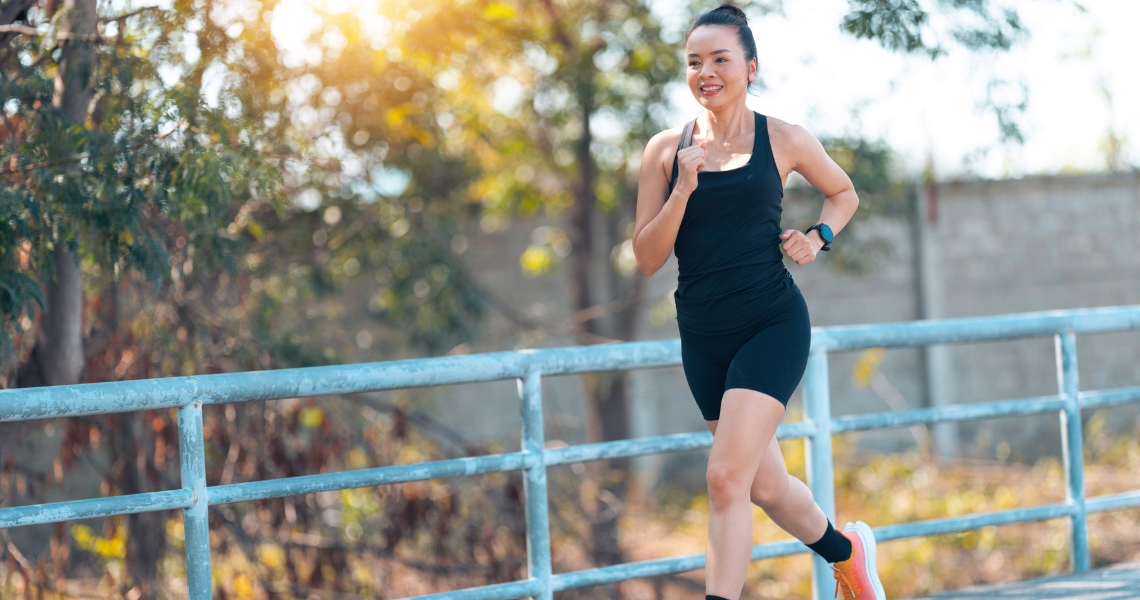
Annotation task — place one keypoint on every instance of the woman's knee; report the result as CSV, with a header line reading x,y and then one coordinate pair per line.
x,y
769,492
726,481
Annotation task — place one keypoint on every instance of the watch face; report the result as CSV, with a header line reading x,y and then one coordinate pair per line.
x,y
825,232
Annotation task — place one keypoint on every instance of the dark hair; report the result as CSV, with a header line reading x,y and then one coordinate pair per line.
x,y
727,15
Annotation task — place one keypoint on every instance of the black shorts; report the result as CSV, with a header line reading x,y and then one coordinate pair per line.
x,y
768,356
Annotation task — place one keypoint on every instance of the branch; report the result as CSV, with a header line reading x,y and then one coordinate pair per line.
x,y
79,157
29,30
13,10
10,13
556,24
128,15
24,29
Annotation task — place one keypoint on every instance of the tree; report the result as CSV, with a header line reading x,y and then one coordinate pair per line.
x,y
147,158
113,161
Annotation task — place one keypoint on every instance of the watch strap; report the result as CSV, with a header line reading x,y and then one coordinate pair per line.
x,y
826,244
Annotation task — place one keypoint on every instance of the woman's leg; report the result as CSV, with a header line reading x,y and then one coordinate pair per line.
x,y
785,499
747,425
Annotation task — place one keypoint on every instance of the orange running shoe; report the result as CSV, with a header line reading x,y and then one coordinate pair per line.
x,y
857,577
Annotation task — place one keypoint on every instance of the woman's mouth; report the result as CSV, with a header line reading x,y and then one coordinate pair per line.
x,y
710,90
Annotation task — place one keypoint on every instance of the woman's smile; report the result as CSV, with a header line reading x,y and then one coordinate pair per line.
x,y
709,89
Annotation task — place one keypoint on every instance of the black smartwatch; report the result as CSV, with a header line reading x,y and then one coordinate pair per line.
x,y
824,233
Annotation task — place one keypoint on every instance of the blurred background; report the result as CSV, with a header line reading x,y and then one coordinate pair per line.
x,y
206,186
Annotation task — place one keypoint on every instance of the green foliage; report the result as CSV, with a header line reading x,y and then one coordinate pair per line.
x,y
882,190
906,25
149,153
19,295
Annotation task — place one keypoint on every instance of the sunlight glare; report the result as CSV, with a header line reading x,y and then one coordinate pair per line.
x,y
295,22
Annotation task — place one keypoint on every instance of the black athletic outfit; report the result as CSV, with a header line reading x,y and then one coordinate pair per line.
x,y
743,321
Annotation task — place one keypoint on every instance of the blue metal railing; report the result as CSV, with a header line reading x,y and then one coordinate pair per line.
x,y
188,394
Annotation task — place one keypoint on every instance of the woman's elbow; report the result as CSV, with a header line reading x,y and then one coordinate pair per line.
x,y
643,264
639,258
646,269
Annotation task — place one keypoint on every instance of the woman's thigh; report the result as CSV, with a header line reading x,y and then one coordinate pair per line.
x,y
740,438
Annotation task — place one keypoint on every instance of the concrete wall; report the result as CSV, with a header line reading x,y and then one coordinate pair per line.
x,y
984,248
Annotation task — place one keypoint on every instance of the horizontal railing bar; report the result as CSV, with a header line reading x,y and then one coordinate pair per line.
x,y
1106,398
498,591
676,442
968,522
1113,501
800,429
326,482
955,412
171,392
71,510
623,448
662,566
976,329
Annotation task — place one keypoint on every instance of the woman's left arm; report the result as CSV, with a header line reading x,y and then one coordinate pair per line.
x,y
809,159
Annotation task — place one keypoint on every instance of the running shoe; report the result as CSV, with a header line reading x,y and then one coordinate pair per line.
x,y
857,578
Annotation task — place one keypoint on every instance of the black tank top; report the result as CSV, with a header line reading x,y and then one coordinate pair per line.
x,y
730,266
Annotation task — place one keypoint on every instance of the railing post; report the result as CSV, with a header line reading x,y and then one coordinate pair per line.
x,y
820,475
196,526
534,485
1073,448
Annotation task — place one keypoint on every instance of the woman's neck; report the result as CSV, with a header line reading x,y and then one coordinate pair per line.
x,y
728,122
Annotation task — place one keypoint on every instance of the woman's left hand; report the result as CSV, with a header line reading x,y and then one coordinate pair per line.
x,y
799,247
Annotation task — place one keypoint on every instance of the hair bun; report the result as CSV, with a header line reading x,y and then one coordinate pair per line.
x,y
732,10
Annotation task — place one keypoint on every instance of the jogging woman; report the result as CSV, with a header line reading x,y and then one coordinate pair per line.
x,y
744,325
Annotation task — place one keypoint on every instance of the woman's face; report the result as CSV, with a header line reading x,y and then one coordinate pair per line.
x,y
717,73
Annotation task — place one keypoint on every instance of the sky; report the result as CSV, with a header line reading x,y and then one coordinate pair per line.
x,y
1079,69
1078,72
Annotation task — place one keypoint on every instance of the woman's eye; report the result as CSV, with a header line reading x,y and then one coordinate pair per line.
x,y
693,64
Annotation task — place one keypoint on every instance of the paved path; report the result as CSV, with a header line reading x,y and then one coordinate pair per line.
x,y
1118,582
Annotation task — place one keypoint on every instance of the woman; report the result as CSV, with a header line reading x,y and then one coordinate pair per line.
x,y
744,325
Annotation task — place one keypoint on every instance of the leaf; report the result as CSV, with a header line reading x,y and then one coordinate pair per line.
x,y
498,10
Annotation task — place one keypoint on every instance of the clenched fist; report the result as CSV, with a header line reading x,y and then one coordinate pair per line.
x,y
689,161
799,247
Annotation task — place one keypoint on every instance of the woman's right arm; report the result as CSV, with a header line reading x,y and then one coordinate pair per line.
x,y
659,211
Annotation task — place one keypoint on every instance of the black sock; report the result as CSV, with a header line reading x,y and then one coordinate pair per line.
x,y
712,597
833,546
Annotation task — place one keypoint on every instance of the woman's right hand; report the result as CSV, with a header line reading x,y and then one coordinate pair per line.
x,y
689,161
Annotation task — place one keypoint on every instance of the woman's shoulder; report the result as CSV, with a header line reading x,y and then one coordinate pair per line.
x,y
662,148
787,135
668,138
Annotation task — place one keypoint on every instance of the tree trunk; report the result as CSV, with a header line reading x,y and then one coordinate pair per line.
x,y
59,348
593,281
75,79
134,448
57,358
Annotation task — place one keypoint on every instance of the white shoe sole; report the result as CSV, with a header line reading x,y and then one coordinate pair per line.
x,y
868,538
